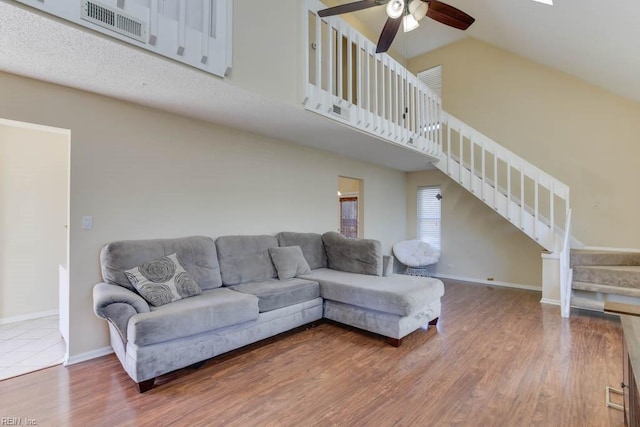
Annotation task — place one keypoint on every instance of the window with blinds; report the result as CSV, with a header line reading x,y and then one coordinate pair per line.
x,y
433,79
429,215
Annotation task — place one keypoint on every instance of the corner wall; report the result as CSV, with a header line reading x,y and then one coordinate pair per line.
x,y
34,170
142,173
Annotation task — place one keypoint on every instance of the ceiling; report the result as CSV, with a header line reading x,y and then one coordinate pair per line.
x,y
40,46
580,37
594,40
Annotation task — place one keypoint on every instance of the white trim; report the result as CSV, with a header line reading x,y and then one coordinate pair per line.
x,y
550,301
30,316
33,126
604,248
489,282
552,255
83,357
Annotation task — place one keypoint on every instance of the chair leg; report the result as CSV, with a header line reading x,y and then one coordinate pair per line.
x,y
146,385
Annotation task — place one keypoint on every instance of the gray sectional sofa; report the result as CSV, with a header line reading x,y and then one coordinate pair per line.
x,y
248,288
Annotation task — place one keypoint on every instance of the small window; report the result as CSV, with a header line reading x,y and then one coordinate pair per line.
x,y
429,215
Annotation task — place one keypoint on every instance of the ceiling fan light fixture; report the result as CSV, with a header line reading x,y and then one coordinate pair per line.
x,y
395,8
418,9
409,23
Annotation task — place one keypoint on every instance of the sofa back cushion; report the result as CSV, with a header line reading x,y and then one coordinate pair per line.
x,y
197,254
361,256
245,258
311,245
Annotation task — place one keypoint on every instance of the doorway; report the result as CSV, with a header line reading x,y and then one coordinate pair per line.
x,y
350,207
34,249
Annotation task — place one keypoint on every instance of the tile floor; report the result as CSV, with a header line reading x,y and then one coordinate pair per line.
x,y
30,345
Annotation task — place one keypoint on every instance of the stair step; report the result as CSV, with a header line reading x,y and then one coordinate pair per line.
x,y
587,303
623,276
605,289
589,257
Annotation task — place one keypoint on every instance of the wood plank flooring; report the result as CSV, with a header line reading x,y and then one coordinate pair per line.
x,y
497,358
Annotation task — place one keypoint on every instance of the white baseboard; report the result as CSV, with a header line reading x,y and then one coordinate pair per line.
x,y
30,316
83,357
550,301
489,282
604,248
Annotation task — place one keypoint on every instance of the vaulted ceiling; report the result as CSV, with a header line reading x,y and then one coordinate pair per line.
x,y
596,41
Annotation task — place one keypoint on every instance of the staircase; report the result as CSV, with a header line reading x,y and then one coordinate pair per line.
x,y
526,196
345,80
599,276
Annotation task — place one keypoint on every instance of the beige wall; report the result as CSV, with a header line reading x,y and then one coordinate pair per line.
x,y
267,48
579,133
33,215
143,173
477,243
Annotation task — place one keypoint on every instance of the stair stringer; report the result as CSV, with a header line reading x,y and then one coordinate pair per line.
x,y
528,219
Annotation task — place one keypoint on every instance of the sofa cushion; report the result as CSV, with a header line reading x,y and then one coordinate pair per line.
x,y
310,244
162,281
245,258
274,294
363,256
289,262
197,254
397,294
215,308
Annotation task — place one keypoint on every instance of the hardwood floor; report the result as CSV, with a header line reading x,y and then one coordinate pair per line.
x,y
499,358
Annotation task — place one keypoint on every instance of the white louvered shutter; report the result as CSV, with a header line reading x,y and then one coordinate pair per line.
x,y
429,215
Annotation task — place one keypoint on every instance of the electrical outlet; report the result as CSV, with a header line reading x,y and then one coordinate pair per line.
x,y
491,279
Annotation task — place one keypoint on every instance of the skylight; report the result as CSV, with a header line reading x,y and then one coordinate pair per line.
x,y
549,2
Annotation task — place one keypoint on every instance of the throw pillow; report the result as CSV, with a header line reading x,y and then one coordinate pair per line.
x,y
162,281
289,262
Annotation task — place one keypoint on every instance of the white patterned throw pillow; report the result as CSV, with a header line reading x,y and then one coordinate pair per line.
x,y
162,281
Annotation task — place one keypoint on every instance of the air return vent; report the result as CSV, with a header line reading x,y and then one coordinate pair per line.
x,y
113,19
340,111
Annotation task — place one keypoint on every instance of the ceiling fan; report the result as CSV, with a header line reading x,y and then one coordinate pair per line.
x,y
407,12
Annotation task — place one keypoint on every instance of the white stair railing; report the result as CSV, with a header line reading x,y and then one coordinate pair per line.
x,y
566,272
526,196
347,81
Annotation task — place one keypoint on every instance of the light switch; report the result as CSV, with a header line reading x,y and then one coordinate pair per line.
x,y
87,222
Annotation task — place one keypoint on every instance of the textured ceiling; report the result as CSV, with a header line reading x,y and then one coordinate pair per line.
x,y
44,48
594,40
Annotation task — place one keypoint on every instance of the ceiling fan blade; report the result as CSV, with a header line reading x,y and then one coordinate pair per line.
x,y
349,7
449,15
388,34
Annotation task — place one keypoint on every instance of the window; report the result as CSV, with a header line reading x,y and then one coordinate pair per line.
x,y
429,215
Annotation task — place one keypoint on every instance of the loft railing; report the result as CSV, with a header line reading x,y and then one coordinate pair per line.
x,y
346,80
528,197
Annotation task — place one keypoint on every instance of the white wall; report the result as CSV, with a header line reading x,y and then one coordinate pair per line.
x,y
143,173
33,215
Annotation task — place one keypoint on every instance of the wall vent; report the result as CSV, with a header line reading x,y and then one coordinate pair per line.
x,y
340,112
113,19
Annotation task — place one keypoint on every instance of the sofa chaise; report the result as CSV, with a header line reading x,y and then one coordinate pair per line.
x,y
238,290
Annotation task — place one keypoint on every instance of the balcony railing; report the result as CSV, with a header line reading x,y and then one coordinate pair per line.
x,y
346,80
